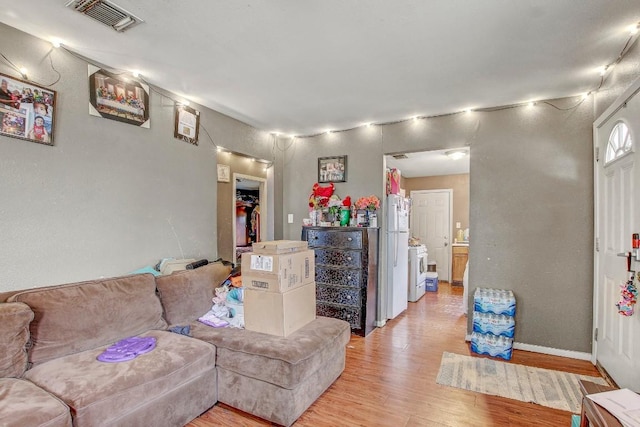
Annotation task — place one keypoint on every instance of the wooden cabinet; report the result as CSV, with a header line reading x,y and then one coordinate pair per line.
x,y
346,274
460,256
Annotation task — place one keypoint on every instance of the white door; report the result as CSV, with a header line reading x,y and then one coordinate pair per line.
x,y
431,223
617,347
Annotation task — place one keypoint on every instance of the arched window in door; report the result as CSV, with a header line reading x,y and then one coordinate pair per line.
x,y
620,142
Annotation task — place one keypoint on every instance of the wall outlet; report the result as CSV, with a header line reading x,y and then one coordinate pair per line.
x,y
290,218
457,225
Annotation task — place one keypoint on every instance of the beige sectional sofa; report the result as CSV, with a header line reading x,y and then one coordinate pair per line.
x,y
272,377
22,403
268,376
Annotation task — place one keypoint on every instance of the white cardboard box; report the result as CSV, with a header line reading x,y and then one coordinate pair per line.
x,y
279,313
280,247
278,273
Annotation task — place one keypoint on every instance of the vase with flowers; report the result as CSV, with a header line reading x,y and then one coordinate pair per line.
x,y
370,205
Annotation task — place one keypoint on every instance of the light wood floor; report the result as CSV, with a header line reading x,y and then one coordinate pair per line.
x,y
390,379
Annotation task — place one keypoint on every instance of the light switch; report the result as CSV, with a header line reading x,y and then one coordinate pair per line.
x,y
290,218
457,225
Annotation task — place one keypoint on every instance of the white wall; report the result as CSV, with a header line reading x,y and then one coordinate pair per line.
x,y
109,197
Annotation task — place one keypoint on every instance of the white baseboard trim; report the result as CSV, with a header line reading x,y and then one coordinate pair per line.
x,y
380,323
548,350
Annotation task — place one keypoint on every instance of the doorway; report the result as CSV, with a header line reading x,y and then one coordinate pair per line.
x,y
431,217
249,213
437,170
617,217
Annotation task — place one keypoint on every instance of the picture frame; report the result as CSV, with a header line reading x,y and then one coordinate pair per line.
x,y
224,173
116,97
332,169
27,110
186,124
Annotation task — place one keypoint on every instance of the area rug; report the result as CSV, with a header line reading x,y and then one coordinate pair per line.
x,y
555,389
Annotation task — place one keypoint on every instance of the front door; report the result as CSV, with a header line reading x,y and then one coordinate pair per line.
x,y
617,347
431,223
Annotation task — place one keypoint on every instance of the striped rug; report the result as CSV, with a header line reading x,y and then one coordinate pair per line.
x,y
555,389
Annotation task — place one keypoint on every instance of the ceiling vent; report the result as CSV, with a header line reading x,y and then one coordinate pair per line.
x,y
400,156
106,13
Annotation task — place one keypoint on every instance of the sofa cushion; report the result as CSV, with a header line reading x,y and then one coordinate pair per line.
x,y
101,393
285,362
24,404
81,316
14,335
276,404
186,295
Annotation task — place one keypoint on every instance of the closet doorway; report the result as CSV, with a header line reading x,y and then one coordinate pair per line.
x,y
249,212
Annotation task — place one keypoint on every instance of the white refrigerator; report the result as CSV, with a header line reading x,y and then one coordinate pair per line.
x,y
397,255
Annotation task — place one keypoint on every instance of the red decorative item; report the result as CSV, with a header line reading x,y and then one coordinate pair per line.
x,y
323,191
319,197
346,201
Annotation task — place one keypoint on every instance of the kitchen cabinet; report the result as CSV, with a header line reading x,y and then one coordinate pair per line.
x,y
346,274
460,254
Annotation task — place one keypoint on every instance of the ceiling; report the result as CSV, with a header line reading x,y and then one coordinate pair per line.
x,y
302,67
430,163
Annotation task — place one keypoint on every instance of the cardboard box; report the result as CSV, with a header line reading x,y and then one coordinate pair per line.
x,y
279,247
279,314
278,273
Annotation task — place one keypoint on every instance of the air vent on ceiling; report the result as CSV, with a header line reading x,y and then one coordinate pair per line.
x,y
106,12
400,156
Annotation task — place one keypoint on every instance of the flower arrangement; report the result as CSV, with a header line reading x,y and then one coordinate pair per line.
x,y
370,203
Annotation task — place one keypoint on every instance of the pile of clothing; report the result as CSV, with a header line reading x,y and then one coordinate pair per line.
x,y
228,308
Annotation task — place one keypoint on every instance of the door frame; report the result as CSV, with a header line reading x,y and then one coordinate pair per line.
x,y
618,104
449,250
262,196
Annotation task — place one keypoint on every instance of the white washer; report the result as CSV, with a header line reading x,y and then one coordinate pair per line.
x,y
417,272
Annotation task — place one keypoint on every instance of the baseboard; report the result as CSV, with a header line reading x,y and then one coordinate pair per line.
x,y
380,323
548,350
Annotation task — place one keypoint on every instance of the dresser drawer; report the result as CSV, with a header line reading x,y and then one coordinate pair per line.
x,y
339,294
339,276
339,239
352,315
339,257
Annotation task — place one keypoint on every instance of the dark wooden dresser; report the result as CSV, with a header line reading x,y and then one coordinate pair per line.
x,y
346,274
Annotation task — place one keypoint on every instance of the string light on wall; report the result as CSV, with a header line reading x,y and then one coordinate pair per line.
x,y
633,31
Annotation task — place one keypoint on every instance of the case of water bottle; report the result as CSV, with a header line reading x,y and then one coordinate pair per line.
x,y
493,345
493,322
496,324
497,301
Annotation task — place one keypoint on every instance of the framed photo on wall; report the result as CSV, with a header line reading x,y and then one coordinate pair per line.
x,y
118,98
26,110
332,169
187,124
224,173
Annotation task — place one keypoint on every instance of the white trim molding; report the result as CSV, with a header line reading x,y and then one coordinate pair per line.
x,y
548,350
